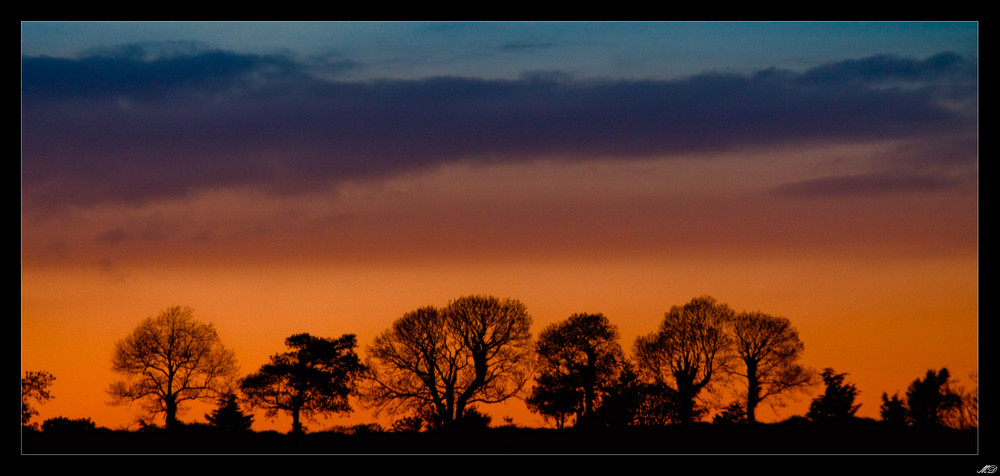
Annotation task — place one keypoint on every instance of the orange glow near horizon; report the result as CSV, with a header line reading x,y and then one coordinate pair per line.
x,y
884,331
880,289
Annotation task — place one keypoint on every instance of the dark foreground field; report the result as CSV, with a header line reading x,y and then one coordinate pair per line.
x,y
774,439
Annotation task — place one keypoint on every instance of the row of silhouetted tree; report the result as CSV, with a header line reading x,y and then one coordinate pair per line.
x,y
434,368
584,375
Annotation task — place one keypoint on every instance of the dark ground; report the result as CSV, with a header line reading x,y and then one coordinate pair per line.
x,y
864,438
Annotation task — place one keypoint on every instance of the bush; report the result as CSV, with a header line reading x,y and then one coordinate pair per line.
x,y
58,424
410,424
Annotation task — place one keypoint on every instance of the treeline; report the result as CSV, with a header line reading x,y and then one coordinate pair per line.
x,y
856,437
435,368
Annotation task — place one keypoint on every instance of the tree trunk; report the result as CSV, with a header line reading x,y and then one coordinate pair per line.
x,y
170,403
753,392
685,401
752,400
296,422
589,382
481,366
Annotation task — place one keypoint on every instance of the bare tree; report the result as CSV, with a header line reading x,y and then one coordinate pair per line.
x,y
686,352
170,359
580,355
966,415
443,361
769,348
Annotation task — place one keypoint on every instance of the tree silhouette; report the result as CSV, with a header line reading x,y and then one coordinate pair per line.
x,y
736,412
35,385
837,402
623,398
631,402
930,399
441,361
769,348
170,359
579,357
965,415
682,357
554,398
893,410
227,415
316,377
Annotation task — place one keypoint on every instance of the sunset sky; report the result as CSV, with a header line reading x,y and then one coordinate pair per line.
x,y
327,178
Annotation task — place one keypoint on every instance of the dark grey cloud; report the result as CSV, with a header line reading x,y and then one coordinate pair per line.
x,y
138,72
125,127
892,68
517,46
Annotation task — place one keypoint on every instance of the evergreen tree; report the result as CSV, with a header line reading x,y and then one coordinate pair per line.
x,y
930,399
837,402
893,410
228,415
315,377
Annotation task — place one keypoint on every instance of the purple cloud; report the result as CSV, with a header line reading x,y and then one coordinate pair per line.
x,y
130,128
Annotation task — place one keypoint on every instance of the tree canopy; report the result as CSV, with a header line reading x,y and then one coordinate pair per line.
x,y
170,359
578,359
686,352
316,377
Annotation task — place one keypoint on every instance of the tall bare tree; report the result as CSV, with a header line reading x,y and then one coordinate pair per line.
x,y
443,361
769,348
170,359
688,350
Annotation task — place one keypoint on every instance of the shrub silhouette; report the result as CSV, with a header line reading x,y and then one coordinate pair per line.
x,y
837,402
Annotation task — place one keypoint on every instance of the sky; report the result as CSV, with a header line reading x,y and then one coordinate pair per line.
x,y
328,177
